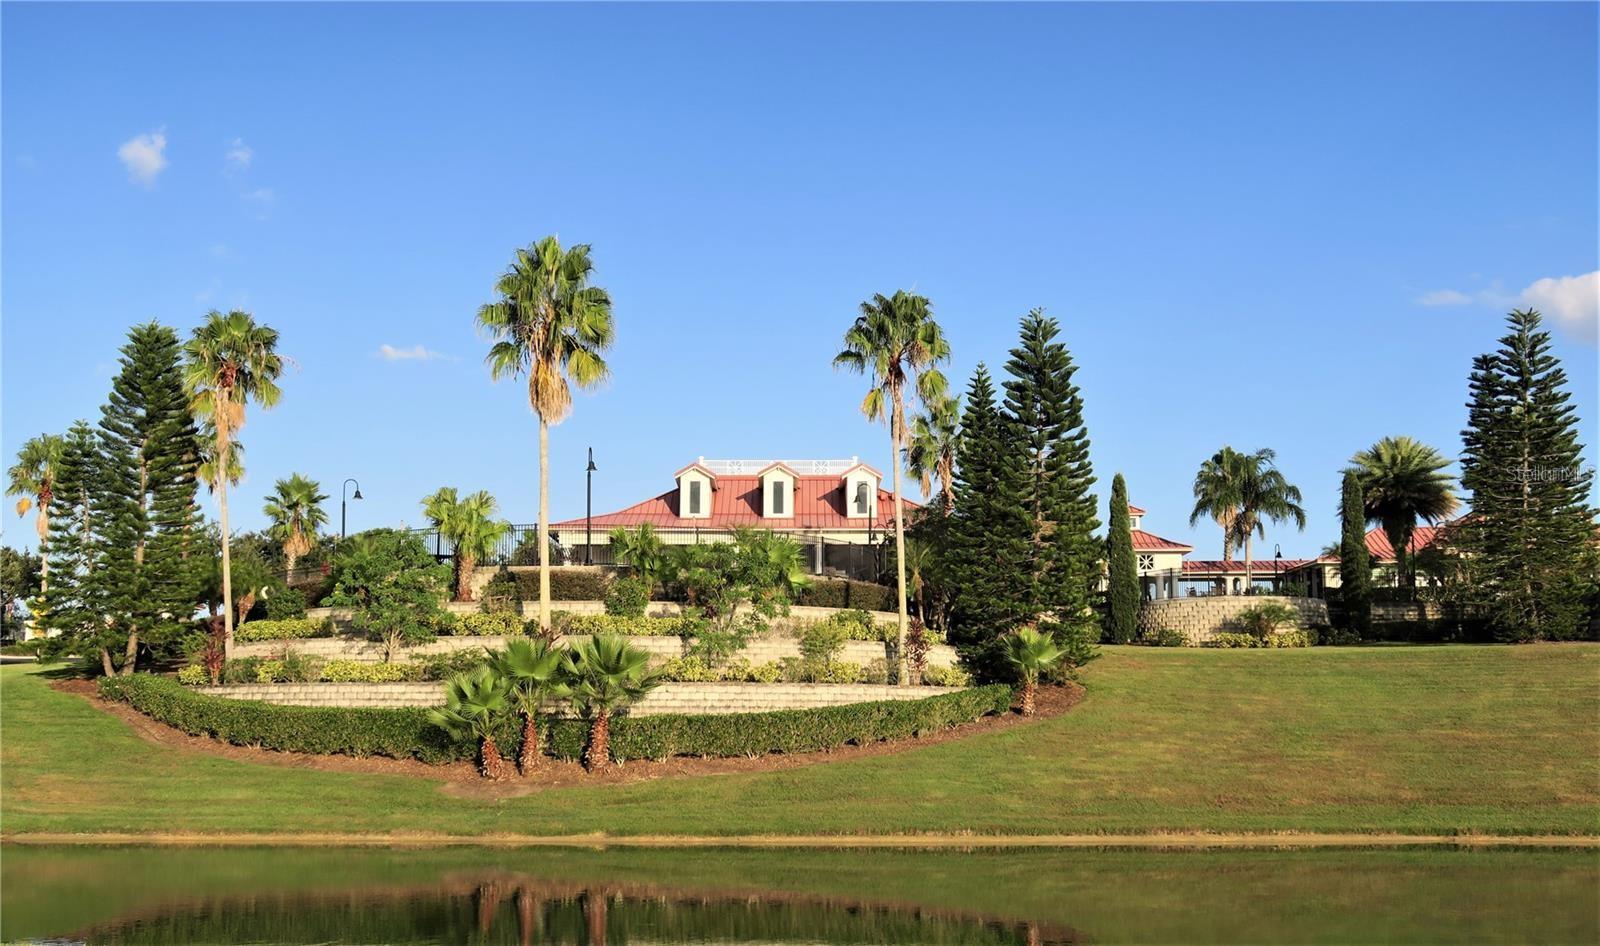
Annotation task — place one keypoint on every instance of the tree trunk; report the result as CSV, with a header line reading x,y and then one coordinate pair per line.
x,y
530,916
490,763
41,524
544,527
130,656
528,756
598,754
895,424
1226,521
464,577
1029,689
222,515
1247,573
106,667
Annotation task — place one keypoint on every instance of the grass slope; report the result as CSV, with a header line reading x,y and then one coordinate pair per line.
x,y
1416,739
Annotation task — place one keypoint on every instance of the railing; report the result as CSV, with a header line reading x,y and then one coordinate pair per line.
x,y
1179,583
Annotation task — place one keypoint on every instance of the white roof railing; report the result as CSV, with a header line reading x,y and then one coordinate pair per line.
x,y
803,467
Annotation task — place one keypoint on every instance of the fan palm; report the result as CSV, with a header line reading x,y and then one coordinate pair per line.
x,y
470,526
1263,494
604,674
931,452
1033,653
33,478
295,508
231,361
474,704
1403,480
642,549
533,669
206,470
896,343
1216,494
551,325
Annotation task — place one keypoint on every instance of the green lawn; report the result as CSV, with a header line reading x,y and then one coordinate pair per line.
x,y
1410,739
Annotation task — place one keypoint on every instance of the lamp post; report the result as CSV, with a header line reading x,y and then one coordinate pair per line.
x,y
342,503
588,509
1277,563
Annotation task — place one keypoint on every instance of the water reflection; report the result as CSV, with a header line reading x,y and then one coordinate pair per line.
x,y
506,907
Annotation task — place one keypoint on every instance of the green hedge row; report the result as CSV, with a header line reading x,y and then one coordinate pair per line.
x,y
405,733
565,585
284,630
844,593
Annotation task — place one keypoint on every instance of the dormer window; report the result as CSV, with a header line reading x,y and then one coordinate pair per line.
x,y
777,497
863,501
860,491
695,484
694,497
777,491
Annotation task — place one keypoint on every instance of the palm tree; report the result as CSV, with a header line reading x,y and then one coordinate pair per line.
x,y
474,704
1403,480
642,549
33,478
295,508
931,453
605,673
470,526
1263,494
231,362
895,342
206,470
533,668
551,325
1032,653
1216,494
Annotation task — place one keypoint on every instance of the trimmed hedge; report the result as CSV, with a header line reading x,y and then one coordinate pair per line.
x,y
845,593
1234,639
565,585
288,629
565,622
405,733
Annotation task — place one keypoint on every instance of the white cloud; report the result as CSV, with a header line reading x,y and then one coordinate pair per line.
x,y
259,201
1444,297
144,156
414,353
239,155
1574,301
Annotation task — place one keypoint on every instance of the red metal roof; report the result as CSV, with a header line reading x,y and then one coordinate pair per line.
x,y
1148,542
819,503
1134,510
1382,550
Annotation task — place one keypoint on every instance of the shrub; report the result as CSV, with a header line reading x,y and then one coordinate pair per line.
x,y
1236,639
821,642
698,670
395,586
1338,636
283,630
1165,637
360,671
845,593
193,675
286,603
946,677
241,670
628,597
565,622
565,584
1264,619
502,594
480,624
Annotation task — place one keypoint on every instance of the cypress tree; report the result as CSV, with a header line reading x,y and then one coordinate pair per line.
x,y
146,496
1355,566
1045,407
69,605
1530,526
1122,569
989,528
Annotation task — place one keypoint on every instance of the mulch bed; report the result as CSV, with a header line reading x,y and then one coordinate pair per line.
x,y
461,778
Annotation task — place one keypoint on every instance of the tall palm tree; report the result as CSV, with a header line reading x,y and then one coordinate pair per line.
x,y
206,470
1263,493
533,668
605,673
1033,653
896,343
551,325
295,508
33,478
471,527
231,361
931,452
474,704
1403,480
1216,494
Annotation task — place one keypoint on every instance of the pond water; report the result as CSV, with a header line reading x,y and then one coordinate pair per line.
x,y
626,896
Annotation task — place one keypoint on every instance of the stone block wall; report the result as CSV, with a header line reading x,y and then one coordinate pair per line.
x,y
1198,619
686,698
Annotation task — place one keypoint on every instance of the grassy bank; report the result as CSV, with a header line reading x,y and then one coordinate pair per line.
x,y
1423,739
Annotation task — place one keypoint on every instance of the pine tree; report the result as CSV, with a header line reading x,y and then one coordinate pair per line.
x,y
1355,567
146,497
989,529
1046,408
69,606
1122,570
1530,527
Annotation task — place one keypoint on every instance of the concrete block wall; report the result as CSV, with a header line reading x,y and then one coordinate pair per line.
x,y
685,698
1199,619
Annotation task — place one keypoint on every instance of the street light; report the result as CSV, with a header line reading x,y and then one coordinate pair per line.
x,y
343,501
588,508
1277,562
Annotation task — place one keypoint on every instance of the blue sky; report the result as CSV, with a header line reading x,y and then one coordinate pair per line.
x,y
1262,225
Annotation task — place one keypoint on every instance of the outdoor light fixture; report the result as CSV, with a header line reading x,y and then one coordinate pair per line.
x,y
1277,563
588,509
342,503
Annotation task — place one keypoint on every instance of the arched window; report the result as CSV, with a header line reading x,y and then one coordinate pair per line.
x,y
863,503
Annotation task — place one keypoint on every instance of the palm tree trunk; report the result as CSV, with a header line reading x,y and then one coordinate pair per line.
x,y
896,421
464,577
1226,521
1029,689
490,763
227,559
528,755
598,755
1247,574
544,526
41,525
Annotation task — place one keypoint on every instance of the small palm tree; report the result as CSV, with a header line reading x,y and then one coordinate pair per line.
x,y
533,668
642,549
231,361
896,343
1403,480
295,509
604,674
470,526
551,325
1033,653
1216,494
1263,494
33,478
931,453
474,704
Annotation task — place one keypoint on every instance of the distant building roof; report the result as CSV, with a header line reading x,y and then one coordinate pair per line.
x,y
1149,542
1259,566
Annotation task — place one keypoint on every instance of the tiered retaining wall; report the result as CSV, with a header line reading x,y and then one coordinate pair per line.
x,y
799,615
686,698
1199,619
